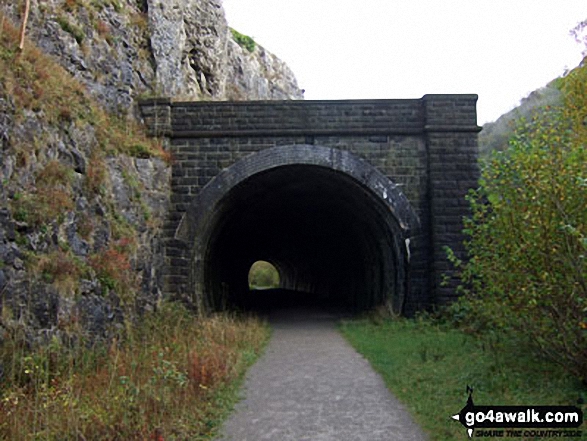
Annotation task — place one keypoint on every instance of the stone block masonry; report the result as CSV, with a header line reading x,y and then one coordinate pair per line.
x,y
425,148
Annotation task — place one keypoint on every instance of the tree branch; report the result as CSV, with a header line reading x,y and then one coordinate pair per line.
x,y
25,18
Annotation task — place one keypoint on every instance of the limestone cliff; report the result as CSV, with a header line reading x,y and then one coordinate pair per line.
x,y
83,192
124,49
196,56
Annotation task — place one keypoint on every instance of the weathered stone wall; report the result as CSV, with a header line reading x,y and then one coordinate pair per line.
x,y
426,146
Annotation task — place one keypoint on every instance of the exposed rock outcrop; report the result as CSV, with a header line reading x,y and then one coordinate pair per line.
x,y
196,56
259,75
124,49
103,44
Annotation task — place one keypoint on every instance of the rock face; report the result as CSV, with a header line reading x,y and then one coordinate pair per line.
x,y
189,42
79,226
104,44
125,49
259,75
197,57
83,196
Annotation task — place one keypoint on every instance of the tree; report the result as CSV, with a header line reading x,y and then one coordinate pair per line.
x,y
527,237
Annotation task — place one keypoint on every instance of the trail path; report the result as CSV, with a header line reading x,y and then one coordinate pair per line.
x,y
312,385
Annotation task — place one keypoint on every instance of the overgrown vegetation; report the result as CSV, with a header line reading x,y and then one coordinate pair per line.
x,y
113,268
527,272
243,41
75,31
170,376
51,198
34,82
428,366
43,191
61,268
495,135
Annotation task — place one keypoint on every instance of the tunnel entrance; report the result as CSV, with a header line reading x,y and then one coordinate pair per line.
x,y
334,227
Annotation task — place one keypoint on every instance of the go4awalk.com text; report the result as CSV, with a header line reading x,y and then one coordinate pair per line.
x,y
520,421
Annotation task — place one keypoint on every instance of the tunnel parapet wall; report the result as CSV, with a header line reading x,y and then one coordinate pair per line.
x,y
427,146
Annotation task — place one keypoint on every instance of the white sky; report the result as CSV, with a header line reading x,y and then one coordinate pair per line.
x,y
349,49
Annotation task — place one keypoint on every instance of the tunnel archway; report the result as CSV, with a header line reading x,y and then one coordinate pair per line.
x,y
335,227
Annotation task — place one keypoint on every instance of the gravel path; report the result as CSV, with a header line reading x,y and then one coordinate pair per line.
x,y
311,385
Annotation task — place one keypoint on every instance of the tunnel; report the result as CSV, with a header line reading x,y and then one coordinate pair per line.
x,y
333,226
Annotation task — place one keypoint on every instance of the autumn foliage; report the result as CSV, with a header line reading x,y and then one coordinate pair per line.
x,y
113,267
527,273
168,376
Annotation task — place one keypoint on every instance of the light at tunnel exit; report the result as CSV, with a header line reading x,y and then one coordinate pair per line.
x,y
263,275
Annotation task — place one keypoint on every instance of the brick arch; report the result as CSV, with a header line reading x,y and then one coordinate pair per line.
x,y
382,204
339,160
427,146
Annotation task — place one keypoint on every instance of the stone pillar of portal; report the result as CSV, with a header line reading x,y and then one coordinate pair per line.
x,y
451,141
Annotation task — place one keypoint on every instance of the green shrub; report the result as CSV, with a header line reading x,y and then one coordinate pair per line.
x,y
75,31
244,41
527,272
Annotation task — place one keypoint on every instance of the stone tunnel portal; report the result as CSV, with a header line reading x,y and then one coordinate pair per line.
x,y
334,228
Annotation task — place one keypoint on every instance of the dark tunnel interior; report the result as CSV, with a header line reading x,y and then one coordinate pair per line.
x,y
333,241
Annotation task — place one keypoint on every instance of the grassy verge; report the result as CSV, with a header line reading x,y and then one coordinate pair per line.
x,y
172,376
428,368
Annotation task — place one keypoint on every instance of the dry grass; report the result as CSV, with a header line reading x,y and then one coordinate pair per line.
x,y
35,82
113,268
172,376
50,198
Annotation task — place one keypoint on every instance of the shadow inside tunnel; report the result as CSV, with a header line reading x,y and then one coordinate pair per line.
x,y
276,304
